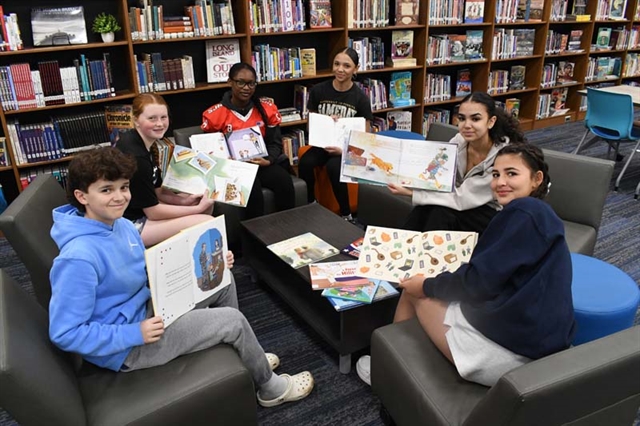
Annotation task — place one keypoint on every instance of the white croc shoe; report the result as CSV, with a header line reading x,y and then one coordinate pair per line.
x,y
299,387
363,368
273,360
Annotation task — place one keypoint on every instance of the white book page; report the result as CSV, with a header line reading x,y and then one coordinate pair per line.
x,y
428,165
212,143
325,132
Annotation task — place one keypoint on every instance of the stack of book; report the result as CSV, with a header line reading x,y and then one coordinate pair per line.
x,y
401,49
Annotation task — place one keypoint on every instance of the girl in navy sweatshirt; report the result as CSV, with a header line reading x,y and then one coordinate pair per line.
x,y
512,302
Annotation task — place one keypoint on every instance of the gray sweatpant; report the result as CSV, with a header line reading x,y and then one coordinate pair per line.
x,y
214,321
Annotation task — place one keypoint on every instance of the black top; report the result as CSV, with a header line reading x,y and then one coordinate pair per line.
x,y
325,99
145,180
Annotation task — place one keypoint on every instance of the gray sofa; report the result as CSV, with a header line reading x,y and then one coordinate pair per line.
x,y
234,215
597,383
39,382
578,191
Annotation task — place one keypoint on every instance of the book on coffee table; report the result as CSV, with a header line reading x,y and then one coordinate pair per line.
x,y
353,249
303,249
395,254
384,291
362,293
335,275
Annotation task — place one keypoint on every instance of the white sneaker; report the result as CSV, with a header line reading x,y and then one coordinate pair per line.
x,y
363,368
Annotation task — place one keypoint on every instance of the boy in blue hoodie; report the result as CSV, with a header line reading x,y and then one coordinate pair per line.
x,y
99,299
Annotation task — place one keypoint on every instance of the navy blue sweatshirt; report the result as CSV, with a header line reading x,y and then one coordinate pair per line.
x,y
516,288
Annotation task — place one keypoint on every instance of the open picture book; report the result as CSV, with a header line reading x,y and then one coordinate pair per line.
x,y
303,249
195,172
395,254
324,131
384,290
372,158
240,145
187,268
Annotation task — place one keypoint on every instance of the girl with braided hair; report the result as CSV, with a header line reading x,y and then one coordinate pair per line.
x,y
512,302
240,108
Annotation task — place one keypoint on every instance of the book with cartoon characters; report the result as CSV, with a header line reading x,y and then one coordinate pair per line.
x,y
187,268
303,249
372,158
194,172
362,293
384,290
395,254
240,145
335,275
324,131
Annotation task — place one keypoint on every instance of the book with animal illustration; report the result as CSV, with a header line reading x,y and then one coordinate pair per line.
x,y
187,268
325,132
395,254
194,172
372,158
241,145
335,274
362,293
385,290
303,249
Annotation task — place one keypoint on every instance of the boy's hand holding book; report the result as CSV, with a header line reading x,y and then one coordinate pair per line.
x,y
152,329
413,286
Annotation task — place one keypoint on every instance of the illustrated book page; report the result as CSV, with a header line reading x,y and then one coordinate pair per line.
x,y
211,143
195,172
335,274
362,293
417,164
303,249
385,290
187,269
325,132
246,144
395,254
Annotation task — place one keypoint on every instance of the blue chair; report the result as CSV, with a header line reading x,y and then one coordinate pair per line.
x,y
610,117
401,134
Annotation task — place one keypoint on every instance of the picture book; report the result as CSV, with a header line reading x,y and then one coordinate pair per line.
x,y
246,144
516,77
220,57
362,293
407,12
324,131
4,156
195,172
473,11
412,163
58,26
187,268
558,101
308,61
463,82
604,35
119,119
575,41
579,7
400,89
536,10
525,38
211,143
353,249
395,254
473,46
458,41
320,14
565,72
335,274
385,290
303,249
399,120
402,49
512,107
618,8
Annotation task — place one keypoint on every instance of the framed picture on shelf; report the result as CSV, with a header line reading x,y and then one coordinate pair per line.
x,y
58,26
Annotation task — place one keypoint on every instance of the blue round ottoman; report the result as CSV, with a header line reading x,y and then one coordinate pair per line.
x,y
605,299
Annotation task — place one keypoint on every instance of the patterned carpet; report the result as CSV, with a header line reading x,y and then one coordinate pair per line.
x,y
343,399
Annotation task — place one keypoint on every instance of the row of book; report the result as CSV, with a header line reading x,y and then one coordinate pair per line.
x,y
437,88
552,104
272,16
376,91
57,138
513,43
559,42
631,66
370,13
154,74
370,52
10,38
276,63
611,9
454,12
59,171
291,143
519,10
204,19
451,48
50,84
511,106
434,115
603,68
611,38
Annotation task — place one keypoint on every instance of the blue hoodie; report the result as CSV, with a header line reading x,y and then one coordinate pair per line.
x,y
99,288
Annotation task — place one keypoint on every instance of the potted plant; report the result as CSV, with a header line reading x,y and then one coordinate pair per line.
x,y
106,24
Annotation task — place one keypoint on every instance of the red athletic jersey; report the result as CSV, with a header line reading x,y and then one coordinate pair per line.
x,y
219,118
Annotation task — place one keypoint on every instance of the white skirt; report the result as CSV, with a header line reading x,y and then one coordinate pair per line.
x,y
477,358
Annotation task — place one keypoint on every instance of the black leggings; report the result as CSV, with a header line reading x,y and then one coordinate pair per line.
x,y
434,218
318,157
277,179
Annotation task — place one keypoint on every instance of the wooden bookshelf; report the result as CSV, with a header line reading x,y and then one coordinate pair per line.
x,y
187,105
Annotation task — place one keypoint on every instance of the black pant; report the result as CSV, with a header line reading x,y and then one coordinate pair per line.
x,y
277,179
318,157
438,218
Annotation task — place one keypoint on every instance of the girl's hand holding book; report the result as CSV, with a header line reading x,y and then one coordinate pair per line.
x,y
230,259
413,286
399,189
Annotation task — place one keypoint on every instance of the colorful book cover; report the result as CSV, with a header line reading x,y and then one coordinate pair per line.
x,y
303,249
401,44
516,77
385,290
419,164
58,26
194,172
246,144
565,72
395,254
512,107
220,56
335,274
458,42
308,61
353,249
320,14
400,89
473,11
363,293
211,143
399,120
119,120
604,35
463,83
407,12
618,7
473,46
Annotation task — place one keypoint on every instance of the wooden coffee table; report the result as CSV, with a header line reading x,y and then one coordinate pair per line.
x,y
346,331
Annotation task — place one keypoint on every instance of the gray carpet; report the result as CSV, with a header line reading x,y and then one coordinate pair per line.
x,y
343,399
